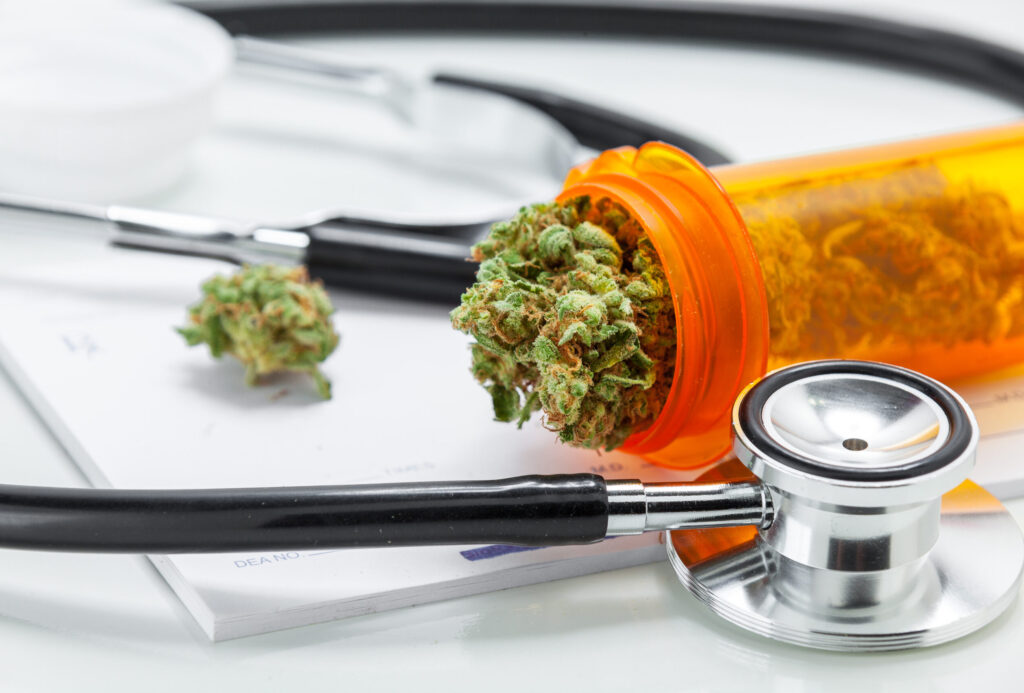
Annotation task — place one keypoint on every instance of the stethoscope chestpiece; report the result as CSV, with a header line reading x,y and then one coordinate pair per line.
x,y
855,433
877,542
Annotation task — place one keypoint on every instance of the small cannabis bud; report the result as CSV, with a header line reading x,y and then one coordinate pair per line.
x,y
572,314
270,318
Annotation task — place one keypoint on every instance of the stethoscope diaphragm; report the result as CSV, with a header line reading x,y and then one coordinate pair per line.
x,y
878,542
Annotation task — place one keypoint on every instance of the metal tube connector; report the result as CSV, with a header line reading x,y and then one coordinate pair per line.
x,y
635,507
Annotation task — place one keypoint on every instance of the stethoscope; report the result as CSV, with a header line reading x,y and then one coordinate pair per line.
x,y
846,524
423,258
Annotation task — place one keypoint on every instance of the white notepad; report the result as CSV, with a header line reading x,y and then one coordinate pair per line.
x,y
88,337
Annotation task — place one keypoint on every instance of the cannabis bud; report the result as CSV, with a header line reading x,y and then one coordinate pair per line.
x,y
268,317
572,314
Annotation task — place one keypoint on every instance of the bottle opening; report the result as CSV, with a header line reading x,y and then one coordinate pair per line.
x,y
716,285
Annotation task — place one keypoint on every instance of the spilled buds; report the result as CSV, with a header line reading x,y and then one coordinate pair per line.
x,y
572,315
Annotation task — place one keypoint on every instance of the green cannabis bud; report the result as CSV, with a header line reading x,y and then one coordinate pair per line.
x,y
268,317
572,315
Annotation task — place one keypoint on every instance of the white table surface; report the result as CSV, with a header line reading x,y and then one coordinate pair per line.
x,y
109,623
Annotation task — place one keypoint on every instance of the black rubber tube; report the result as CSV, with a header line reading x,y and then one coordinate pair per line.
x,y
593,126
427,268
378,278
526,510
944,54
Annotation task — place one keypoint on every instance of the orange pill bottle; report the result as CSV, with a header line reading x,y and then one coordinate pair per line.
x,y
909,253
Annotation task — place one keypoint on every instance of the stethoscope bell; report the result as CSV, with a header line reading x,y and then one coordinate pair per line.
x,y
877,541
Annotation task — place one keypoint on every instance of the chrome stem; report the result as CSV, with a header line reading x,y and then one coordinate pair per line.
x,y
175,232
635,507
190,234
242,241
380,84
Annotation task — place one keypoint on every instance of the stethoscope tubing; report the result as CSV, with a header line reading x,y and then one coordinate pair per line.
x,y
534,510
527,510
944,54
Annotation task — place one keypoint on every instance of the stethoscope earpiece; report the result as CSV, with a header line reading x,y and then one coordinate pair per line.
x,y
877,541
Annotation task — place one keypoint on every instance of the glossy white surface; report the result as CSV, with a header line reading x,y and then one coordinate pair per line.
x,y
108,624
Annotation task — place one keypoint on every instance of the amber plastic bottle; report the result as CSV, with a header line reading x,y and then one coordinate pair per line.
x,y
909,253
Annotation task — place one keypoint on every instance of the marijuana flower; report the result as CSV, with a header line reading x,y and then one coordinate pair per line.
x,y
572,315
268,317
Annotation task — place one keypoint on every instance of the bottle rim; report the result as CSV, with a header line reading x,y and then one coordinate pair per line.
x,y
718,291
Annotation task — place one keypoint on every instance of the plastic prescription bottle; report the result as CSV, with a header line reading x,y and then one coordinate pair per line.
x,y
908,253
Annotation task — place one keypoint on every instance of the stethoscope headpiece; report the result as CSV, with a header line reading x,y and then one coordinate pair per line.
x,y
876,541
855,433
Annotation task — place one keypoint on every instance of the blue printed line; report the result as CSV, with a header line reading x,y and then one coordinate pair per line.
x,y
494,550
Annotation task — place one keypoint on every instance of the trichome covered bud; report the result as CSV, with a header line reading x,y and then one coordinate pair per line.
x,y
270,318
572,315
